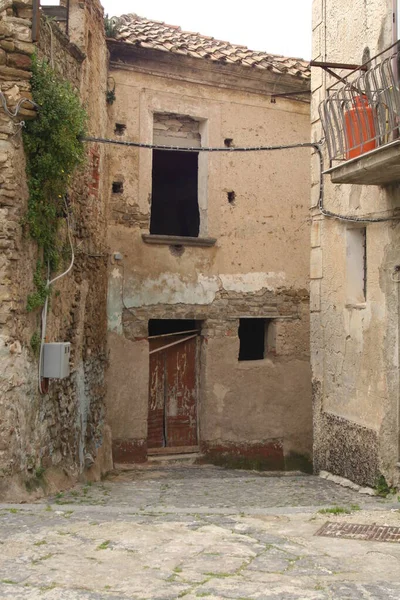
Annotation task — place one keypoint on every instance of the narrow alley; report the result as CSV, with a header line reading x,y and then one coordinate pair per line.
x,y
164,532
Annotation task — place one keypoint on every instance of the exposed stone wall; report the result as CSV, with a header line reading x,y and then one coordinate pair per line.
x,y
63,431
169,128
354,348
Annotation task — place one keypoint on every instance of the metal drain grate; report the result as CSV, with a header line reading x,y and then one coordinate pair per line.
x,y
354,531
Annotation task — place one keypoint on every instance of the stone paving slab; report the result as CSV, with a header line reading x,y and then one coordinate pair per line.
x,y
141,536
202,487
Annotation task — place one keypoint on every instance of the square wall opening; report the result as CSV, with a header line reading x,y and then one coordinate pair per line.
x,y
256,338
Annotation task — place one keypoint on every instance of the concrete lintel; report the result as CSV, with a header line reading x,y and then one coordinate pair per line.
x,y
379,167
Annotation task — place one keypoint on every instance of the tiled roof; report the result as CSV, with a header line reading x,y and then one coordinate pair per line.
x,y
156,35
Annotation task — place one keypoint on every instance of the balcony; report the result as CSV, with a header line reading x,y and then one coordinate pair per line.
x,y
361,121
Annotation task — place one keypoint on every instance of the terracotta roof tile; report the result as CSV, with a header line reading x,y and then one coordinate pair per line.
x,y
144,33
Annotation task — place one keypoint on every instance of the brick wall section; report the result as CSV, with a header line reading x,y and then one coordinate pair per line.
x,y
63,430
221,318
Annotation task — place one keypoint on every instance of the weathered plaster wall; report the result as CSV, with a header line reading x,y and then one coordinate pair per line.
x,y
258,266
354,346
62,431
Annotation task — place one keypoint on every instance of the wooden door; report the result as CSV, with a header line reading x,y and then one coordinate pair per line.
x,y
172,416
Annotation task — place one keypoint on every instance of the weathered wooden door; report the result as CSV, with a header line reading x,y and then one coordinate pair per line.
x,y
172,417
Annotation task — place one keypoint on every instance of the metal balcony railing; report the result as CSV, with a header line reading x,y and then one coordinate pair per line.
x,y
362,111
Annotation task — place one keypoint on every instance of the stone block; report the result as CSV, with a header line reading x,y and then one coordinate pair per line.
x,y
315,234
316,43
316,263
7,45
317,12
315,295
25,13
10,73
7,128
5,4
317,75
6,29
24,47
23,3
19,61
5,200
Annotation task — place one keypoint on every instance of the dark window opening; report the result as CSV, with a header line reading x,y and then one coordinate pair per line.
x,y
228,142
252,337
231,197
120,128
117,187
174,202
165,326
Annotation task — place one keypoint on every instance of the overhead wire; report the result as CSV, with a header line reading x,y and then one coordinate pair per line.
x,y
316,146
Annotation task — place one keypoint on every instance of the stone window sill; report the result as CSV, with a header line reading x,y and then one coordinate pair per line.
x,y
378,167
178,240
268,361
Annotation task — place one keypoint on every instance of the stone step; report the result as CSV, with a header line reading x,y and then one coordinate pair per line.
x,y
188,458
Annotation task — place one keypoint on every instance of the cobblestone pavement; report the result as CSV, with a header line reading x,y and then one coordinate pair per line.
x,y
164,533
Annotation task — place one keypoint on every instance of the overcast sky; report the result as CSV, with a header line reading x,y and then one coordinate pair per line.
x,y
276,26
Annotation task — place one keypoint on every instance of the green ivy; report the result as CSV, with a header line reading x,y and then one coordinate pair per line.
x,y
38,297
54,149
35,343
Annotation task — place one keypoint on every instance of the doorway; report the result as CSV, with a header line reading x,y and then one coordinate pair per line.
x,y
174,347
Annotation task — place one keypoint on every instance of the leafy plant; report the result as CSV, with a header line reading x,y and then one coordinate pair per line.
x,y
35,343
104,545
334,510
110,27
110,96
382,488
54,149
38,297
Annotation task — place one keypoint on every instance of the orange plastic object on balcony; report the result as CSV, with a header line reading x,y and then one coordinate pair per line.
x,y
360,128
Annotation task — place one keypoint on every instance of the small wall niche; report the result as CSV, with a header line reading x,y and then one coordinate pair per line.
x,y
231,197
120,128
117,187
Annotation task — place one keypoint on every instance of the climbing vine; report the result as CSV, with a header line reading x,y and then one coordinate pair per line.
x,y
54,149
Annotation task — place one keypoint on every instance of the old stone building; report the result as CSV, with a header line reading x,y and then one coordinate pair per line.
x,y
354,255
51,438
208,305
203,255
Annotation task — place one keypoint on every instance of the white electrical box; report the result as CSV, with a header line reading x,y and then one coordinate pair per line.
x,y
56,360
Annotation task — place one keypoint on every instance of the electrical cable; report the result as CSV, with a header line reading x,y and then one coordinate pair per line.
x,y
317,146
18,106
48,284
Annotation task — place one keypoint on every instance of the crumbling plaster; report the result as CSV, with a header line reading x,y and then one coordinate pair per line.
x,y
258,266
354,347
